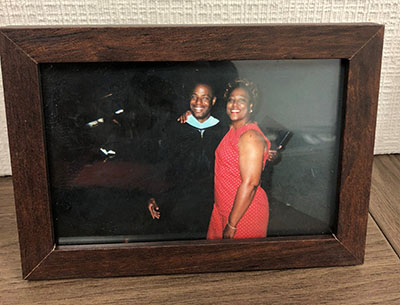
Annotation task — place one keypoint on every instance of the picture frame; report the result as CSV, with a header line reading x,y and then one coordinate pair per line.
x,y
23,50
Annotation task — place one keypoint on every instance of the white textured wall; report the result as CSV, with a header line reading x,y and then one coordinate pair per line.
x,y
95,12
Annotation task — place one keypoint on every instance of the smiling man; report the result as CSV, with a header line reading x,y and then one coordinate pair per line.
x,y
185,209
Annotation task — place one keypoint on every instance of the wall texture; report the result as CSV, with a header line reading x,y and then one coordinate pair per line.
x,y
95,12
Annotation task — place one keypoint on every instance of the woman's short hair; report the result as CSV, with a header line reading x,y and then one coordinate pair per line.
x,y
245,84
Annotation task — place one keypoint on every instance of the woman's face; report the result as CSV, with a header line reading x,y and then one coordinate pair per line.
x,y
238,106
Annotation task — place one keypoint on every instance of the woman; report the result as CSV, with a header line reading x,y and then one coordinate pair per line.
x,y
241,205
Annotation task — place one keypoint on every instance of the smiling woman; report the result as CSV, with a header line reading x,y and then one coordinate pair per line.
x,y
92,118
241,205
114,144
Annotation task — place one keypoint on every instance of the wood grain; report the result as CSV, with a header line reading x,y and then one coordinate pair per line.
x,y
172,258
24,49
385,197
358,143
375,282
28,154
190,43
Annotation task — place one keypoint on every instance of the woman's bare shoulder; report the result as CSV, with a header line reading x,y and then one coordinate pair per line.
x,y
251,136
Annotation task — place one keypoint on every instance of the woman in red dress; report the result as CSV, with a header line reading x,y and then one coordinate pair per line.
x,y
241,205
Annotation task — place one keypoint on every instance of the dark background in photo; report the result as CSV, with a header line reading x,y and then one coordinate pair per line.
x,y
104,123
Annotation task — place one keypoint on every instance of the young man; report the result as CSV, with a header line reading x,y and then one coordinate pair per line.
x,y
185,209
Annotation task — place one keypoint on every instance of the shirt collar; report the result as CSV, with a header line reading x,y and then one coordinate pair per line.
x,y
210,122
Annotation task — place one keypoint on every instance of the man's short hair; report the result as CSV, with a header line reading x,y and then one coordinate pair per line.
x,y
206,83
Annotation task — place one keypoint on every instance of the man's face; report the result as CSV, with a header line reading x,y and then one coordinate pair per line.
x,y
201,102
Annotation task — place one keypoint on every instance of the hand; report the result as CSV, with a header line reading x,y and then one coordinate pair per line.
x,y
228,233
153,208
183,118
272,155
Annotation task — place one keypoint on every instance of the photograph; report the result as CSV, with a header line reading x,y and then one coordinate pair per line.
x,y
162,151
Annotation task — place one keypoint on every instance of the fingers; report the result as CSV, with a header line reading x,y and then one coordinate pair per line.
x,y
227,236
187,114
272,155
153,208
184,117
228,233
155,213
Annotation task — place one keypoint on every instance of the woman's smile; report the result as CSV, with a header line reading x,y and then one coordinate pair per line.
x,y
238,107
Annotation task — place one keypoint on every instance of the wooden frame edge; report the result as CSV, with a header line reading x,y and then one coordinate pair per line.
x,y
28,157
155,257
363,105
345,244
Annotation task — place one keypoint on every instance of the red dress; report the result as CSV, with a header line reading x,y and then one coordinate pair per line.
x,y
227,179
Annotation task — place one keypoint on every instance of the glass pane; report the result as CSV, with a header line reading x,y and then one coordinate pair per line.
x,y
114,142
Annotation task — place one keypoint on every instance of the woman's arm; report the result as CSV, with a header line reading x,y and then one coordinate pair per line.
x,y
251,156
184,117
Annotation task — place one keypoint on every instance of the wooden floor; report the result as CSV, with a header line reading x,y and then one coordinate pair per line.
x,y
385,197
375,282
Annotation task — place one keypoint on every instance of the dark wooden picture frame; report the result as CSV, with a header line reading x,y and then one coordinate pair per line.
x,y
24,49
